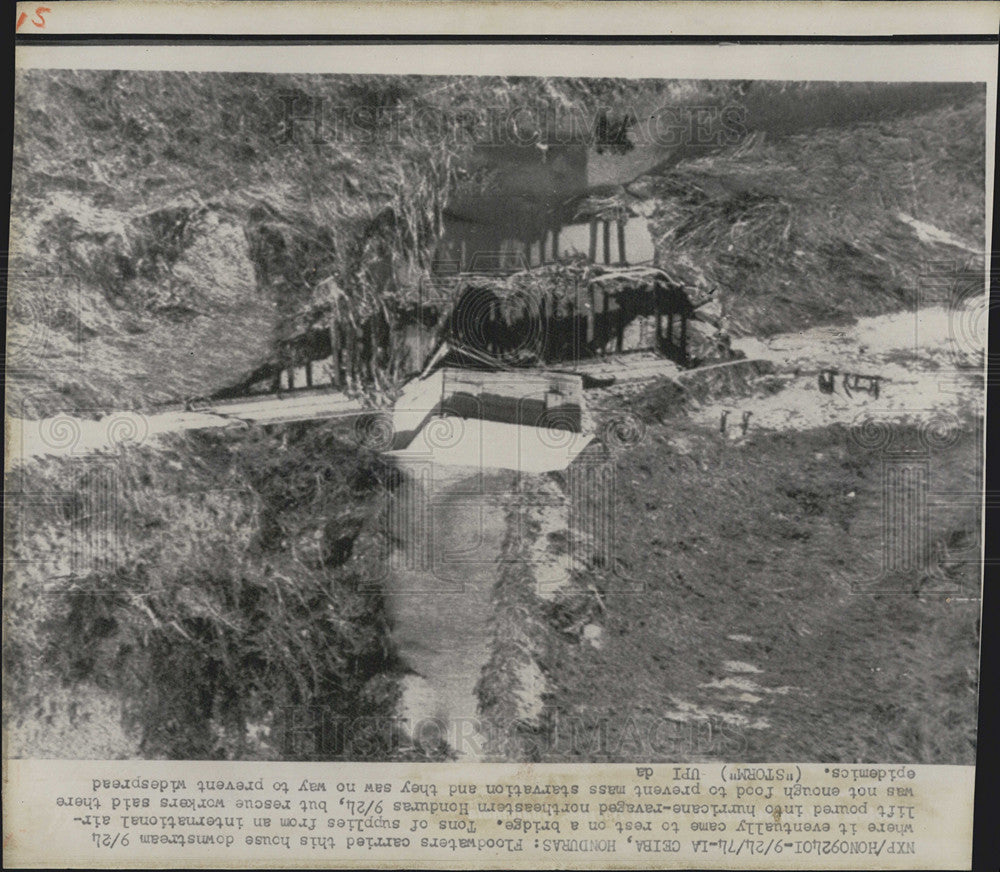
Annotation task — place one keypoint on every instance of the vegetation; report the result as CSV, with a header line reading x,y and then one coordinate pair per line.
x,y
172,232
224,587
182,226
855,664
806,229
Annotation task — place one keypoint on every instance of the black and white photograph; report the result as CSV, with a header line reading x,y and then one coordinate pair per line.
x,y
403,417
511,435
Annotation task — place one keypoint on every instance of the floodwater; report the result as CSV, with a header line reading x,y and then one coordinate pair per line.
x,y
444,634
448,523
471,246
526,213
439,599
575,239
925,358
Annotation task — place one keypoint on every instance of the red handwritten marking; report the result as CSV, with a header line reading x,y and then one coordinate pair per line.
x,y
38,20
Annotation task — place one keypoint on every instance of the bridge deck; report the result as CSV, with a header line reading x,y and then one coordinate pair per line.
x,y
627,368
284,407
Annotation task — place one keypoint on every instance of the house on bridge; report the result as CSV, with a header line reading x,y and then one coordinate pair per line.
x,y
546,316
505,384
566,313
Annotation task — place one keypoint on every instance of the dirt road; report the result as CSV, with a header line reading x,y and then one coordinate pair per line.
x,y
72,435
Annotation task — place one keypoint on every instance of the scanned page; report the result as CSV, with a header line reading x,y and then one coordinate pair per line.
x,y
449,454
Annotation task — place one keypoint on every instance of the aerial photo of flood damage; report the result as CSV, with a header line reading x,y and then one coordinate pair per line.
x,y
394,418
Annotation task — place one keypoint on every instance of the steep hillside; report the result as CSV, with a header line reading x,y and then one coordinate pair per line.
x,y
810,228
223,587
169,228
170,231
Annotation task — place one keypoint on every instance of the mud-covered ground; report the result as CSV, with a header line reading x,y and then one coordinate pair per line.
x,y
750,616
751,594
241,575
763,603
727,594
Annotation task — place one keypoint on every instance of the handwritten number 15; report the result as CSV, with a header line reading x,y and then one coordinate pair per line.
x,y
38,20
